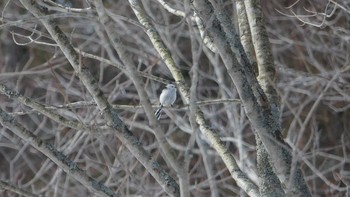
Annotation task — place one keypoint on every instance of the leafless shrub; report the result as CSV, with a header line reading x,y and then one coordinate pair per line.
x,y
310,46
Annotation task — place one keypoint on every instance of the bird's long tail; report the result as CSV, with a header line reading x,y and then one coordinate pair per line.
x,y
158,112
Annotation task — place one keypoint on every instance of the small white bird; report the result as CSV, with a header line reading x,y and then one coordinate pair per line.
x,y
166,98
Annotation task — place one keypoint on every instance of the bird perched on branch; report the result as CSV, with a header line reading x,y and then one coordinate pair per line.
x,y
166,98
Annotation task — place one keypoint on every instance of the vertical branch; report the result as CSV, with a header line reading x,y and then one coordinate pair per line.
x,y
266,78
262,47
245,34
269,183
255,105
195,137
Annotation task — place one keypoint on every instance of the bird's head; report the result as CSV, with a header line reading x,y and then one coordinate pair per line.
x,y
171,86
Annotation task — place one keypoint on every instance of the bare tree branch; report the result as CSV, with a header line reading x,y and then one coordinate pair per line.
x,y
205,128
70,167
110,115
15,189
